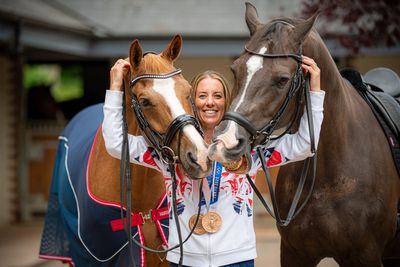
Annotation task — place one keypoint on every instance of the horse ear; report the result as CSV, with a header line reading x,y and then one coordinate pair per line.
x,y
303,28
135,55
252,18
172,51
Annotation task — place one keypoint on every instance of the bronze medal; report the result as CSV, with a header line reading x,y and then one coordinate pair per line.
x,y
232,166
199,230
244,165
240,166
211,222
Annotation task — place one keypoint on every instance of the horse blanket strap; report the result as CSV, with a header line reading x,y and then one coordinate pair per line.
x,y
385,108
140,218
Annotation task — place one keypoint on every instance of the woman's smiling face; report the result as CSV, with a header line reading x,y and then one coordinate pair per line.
x,y
210,102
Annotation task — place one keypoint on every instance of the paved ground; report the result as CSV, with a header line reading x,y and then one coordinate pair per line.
x,y
19,245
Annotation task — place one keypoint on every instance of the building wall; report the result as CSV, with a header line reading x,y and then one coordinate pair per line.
x,y
191,66
365,63
8,153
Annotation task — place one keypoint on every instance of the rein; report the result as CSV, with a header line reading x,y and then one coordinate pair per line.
x,y
161,143
298,84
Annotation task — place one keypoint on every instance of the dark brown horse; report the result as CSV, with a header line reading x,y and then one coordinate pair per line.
x,y
352,212
74,231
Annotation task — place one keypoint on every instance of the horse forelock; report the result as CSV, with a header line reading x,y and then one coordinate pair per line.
x,y
275,36
155,64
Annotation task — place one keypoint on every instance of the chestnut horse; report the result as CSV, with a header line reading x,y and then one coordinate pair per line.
x,y
83,224
351,214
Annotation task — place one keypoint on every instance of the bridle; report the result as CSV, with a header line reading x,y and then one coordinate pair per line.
x,y
298,85
267,130
162,143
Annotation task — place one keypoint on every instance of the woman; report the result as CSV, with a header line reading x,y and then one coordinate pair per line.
x,y
224,235
212,96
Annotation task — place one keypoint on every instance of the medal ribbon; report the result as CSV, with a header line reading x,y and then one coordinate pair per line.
x,y
211,188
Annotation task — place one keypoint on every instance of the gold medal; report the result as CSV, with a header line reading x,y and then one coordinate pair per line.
x,y
199,230
211,222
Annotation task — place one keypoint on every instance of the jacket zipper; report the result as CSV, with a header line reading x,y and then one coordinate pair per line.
x,y
209,250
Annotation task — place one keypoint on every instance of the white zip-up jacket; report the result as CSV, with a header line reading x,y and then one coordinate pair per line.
x,y
235,241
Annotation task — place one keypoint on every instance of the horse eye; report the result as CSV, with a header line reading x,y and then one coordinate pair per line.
x,y
145,103
282,81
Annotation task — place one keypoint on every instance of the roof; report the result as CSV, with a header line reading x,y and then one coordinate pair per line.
x,y
103,28
124,18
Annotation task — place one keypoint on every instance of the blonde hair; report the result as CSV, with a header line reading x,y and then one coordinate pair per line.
x,y
213,75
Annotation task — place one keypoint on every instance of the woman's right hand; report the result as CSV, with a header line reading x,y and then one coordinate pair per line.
x,y
117,73
310,66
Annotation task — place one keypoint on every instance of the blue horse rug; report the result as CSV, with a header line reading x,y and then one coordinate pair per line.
x,y
80,228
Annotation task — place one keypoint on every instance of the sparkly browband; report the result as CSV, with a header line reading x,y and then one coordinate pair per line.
x,y
155,76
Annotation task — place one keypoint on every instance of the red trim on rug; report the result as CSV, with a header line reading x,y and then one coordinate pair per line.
x,y
59,258
158,224
91,195
142,251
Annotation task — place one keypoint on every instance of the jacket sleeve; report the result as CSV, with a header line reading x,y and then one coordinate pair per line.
x,y
112,129
297,146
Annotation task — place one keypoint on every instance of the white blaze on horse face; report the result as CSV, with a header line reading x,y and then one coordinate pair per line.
x,y
253,64
166,88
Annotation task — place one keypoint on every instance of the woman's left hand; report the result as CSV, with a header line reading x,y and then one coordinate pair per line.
x,y
310,66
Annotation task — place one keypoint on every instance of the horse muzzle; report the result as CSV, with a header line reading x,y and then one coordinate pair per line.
x,y
230,142
195,161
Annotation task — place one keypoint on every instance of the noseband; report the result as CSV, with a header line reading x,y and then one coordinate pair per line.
x,y
162,142
266,131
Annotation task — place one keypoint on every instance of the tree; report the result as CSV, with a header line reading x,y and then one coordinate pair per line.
x,y
358,23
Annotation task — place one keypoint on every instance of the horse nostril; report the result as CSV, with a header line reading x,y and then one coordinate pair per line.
x,y
237,151
241,142
192,158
